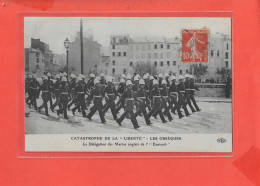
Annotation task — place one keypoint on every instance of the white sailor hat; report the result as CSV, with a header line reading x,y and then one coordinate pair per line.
x,y
160,75
187,76
92,75
173,77
155,82
164,82
136,78
57,76
141,82
151,78
128,82
102,75
79,78
122,80
181,77
63,78
145,76
64,74
48,74
72,76
109,79
96,81
166,75
44,77
191,76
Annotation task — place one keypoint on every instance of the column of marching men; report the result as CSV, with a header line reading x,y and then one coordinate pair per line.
x,y
138,97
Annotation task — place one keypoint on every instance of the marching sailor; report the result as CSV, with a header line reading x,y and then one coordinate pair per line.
x,y
181,94
173,90
142,102
103,83
120,90
96,95
155,93
45,95
187,92
34,87
80,97
71,92
192,92
129,96
56,92
64,97
90,83
50,83
110,95
165,93
27,88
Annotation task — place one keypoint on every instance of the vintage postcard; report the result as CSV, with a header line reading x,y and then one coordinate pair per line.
x,y
128,84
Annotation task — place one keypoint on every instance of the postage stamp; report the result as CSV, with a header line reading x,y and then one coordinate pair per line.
x,y
194,46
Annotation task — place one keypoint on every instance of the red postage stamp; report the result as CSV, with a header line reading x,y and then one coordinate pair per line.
x,y
194,46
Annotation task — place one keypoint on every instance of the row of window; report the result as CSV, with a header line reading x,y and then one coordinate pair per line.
x,y
213,54
150,55
147,47
119,54
156,63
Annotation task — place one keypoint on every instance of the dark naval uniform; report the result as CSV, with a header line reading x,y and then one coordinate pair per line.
x,y
135,89
129,96
142,102
72,93
121,103
173,92
165,93
110,94
181,88
50,84
155,93
192,92
80,99
96,95
56,91
147,91
64,98
45,96
90,84
27,89
34,89
103,84
187,95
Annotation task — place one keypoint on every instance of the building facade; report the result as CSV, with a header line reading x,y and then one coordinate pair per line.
x,y
38,58
164,54
91,52
34,61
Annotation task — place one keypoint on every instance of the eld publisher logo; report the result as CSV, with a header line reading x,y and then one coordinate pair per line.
x,y
221,140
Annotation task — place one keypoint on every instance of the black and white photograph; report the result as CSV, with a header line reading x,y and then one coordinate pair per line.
x,y
128,84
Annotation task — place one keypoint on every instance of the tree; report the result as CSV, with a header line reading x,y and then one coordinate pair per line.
x,y
144,67
224,72
198,70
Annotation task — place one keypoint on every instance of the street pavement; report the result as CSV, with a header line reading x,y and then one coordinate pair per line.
x,y
215,117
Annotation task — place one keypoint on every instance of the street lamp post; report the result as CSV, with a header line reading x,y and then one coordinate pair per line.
x,y
67,45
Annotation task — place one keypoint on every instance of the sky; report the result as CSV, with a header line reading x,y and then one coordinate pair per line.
x,y
54,30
